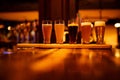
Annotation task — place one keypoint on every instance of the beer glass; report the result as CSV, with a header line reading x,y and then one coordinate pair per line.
x,y
100,31
86,31
46,30
73,30
59,30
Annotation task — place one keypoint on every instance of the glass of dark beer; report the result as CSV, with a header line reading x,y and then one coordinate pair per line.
x,y
73,30
100,31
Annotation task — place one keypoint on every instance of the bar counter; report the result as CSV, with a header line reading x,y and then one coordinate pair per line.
x,y
77,62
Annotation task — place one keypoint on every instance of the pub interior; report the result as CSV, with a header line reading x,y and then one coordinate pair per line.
x,y
26,53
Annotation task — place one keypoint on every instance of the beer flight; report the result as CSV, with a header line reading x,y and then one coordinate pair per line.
x,y
85,28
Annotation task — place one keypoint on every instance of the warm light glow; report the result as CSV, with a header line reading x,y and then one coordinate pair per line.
x,y
51,62
116,59
90,56
92,25
117,54
64,37
28,24
32,15
9,27
110,36
117,25
19,16
22,24
1,26
93,14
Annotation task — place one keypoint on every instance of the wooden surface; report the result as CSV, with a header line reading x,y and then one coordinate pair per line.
x,y
60,64
93,46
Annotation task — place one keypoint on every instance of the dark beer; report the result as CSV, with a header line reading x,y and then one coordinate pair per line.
x,y
73,30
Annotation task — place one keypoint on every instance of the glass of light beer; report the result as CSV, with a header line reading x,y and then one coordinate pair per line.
x,y
86,31
100,31
59,26
73,31
46,30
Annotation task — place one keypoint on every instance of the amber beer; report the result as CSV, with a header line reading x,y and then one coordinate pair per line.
x,y
86,30
46,30
100,31
73,30
59,30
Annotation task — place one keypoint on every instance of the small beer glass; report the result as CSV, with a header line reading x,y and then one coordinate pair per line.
x,y
73,31
46,30
100,31
59,26
86,30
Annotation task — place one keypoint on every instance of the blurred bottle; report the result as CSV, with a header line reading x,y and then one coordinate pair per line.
x,y
21,35
17,32
12,39
26,32
26,35
34,32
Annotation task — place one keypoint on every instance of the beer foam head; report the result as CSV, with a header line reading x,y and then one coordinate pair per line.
x,y
46,24
73,24
86,23
99,23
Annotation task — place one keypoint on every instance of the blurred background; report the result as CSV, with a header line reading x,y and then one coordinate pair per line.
x,y
12,12
28,9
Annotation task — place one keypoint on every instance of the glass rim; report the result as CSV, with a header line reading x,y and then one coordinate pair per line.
x,y
73,24
99,23
59,21
86,23
46,21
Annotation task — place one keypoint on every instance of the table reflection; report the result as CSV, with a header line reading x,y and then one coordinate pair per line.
x,y
61,64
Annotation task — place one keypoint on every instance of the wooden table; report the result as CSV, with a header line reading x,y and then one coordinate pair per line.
x,y
37,63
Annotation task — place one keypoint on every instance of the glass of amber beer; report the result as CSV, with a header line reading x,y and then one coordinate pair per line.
x,y
100,31
86,31
46,30
73,30
59,26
